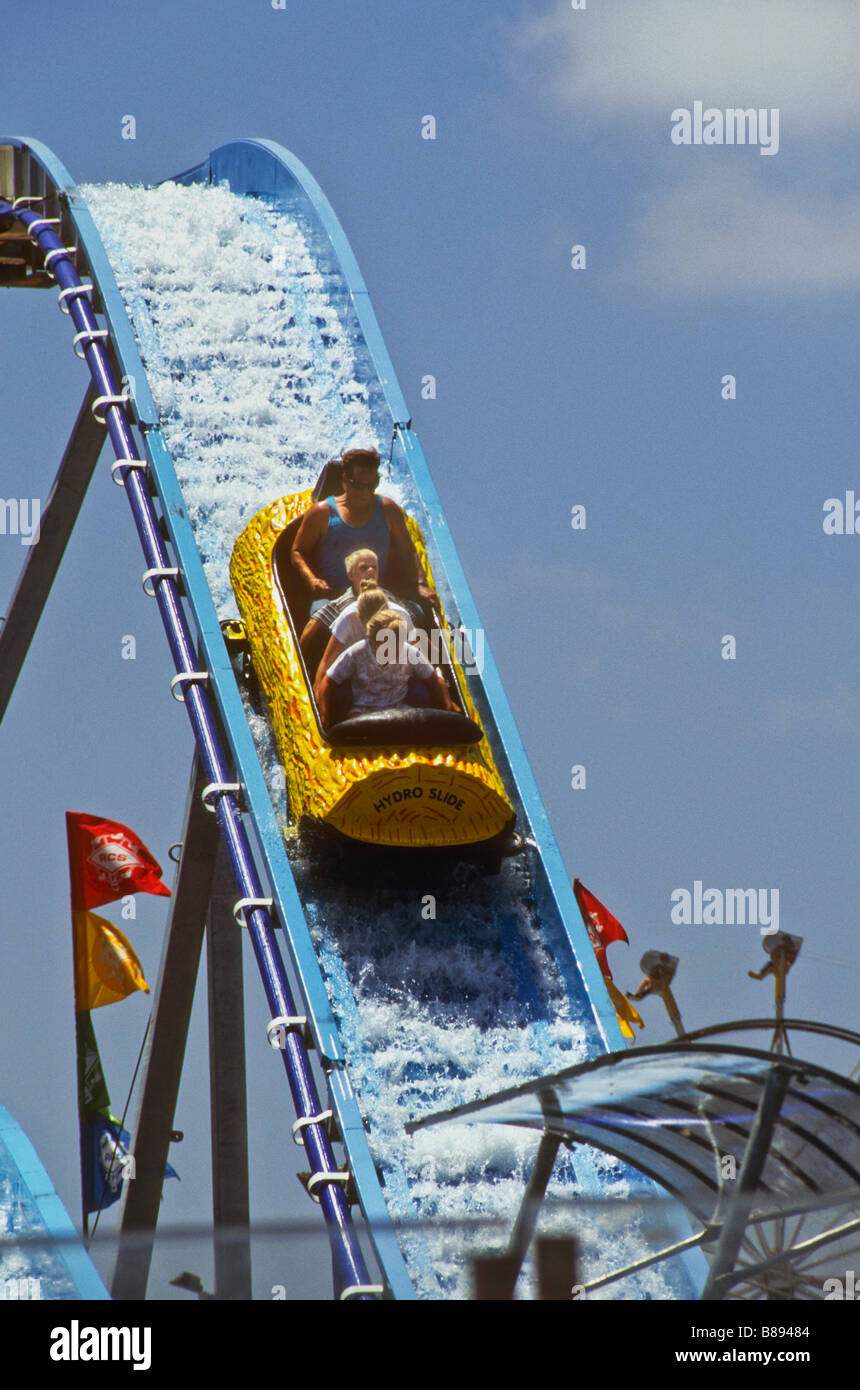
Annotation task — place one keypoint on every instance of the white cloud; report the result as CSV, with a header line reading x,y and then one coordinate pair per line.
x,y
628,56
719,222
726,232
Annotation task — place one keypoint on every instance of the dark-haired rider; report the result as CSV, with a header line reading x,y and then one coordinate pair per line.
x,y
358,519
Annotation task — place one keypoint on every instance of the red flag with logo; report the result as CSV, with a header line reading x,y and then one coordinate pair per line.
x,y
601,926
108,861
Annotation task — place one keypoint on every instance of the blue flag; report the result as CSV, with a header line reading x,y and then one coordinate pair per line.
x,y
109,1161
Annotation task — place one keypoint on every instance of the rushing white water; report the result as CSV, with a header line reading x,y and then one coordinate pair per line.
x,y
258,380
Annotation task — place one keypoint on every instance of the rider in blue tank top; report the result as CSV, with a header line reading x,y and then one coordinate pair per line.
x,y
341,539
358,520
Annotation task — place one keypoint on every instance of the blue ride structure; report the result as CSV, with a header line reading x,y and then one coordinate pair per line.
x,y
406,1014
41,1256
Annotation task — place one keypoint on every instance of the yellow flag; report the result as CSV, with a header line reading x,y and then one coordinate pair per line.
x,y
624,1010
106,968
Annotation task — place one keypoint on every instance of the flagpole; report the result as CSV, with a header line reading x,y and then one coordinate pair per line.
x,y
116,1147
75,896
85,1224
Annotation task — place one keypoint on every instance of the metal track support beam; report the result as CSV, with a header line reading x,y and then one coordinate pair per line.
x,y
758,1146
174,996
227,1088
43,560
529,1212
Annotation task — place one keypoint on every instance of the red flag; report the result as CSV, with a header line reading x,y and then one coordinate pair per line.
x,y
601,926
107,861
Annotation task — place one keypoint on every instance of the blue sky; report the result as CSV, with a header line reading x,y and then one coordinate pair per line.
x,y
553,387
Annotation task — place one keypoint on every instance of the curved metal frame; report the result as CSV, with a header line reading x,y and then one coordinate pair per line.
x,y
801,1025
683,1178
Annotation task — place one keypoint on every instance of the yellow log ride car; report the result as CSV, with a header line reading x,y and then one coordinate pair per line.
x,y
409,778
